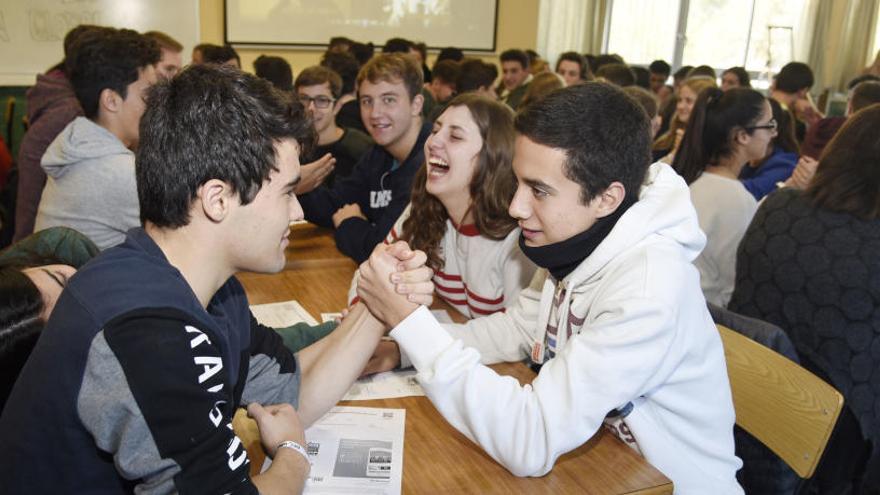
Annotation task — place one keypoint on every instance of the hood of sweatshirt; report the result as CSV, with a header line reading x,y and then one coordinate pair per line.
x,y
50,91
82,141
664,211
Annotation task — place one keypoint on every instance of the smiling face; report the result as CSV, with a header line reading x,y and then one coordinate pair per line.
x,y
261,227
686,99
387,111
452,151
50,280
513,74
547,204
570,72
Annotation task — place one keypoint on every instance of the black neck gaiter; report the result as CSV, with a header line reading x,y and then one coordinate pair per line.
x,y
563,257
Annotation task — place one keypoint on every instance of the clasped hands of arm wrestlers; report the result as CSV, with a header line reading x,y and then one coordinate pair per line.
x,y
392,283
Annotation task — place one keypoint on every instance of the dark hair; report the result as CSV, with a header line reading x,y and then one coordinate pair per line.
x,y
682,73
619,74
491,188
164,41
112,60
785,137
214,54
643,76
605,135
345,65
446,71
644,97
847,178
660,67
864,95
340,41
394,67
532,55
276,70
362,53
702,70
74,39
606,59
579,59
741,75
514,55
711,126
397,45
422,48
315,75
21,305
793,77
475,74
450,53
860,79
211,122
591,60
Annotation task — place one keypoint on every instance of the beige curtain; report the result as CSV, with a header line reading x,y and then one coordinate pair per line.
x,y
841,42
566,25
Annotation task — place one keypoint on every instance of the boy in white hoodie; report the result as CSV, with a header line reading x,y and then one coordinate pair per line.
x,y
617,320
90,165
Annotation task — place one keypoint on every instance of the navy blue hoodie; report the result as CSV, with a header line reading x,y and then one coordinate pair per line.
x,y
134,383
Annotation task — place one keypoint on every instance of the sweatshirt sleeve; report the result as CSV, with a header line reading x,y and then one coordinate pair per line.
x,y
320,204
356,237
392,237
155,395
615,358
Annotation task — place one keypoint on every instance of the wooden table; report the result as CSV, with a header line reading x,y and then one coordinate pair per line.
x,y
436,457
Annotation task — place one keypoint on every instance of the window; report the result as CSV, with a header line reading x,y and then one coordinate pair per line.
x,y
757,34
642,32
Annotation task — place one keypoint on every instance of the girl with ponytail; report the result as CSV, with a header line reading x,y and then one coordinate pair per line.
x,y
725,131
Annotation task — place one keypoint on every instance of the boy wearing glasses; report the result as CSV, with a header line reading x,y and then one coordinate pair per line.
x,y
364,206
338,148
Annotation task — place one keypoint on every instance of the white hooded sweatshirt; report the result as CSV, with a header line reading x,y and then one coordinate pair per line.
x,y
91,184
639,332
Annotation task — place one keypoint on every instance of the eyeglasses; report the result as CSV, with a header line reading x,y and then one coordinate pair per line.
x,y
321,102
772,125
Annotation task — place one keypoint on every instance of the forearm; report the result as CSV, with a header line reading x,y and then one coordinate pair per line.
x,y
332,364
287,474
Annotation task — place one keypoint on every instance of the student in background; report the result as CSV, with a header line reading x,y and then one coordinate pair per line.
x,y
791,88
666,146
573,68
365,205
809,264
858,97
616,236
276,70
619,74
90,164
51,105
515,77
221,55
338,148
761,177
349,114
660,71
648,101
477,76
735,77
541,85
442,85
726,130
171,60
198,53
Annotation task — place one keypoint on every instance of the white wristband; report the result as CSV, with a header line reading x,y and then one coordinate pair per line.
x,y
290,444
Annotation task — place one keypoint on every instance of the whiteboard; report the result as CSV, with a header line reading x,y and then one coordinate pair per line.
x,y
32,31
467,24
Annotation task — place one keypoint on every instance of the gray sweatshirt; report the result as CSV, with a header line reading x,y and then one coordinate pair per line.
x,y
91,184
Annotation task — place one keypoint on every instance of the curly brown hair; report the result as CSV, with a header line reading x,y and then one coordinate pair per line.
x,y
491,187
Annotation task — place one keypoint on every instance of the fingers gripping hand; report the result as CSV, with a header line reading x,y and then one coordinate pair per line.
x,y
277,423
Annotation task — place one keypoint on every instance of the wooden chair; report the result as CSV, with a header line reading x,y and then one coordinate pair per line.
x,y
784,406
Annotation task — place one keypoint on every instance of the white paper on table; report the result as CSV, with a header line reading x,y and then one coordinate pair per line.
x,y
355,450
282,314
325,317
387,385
